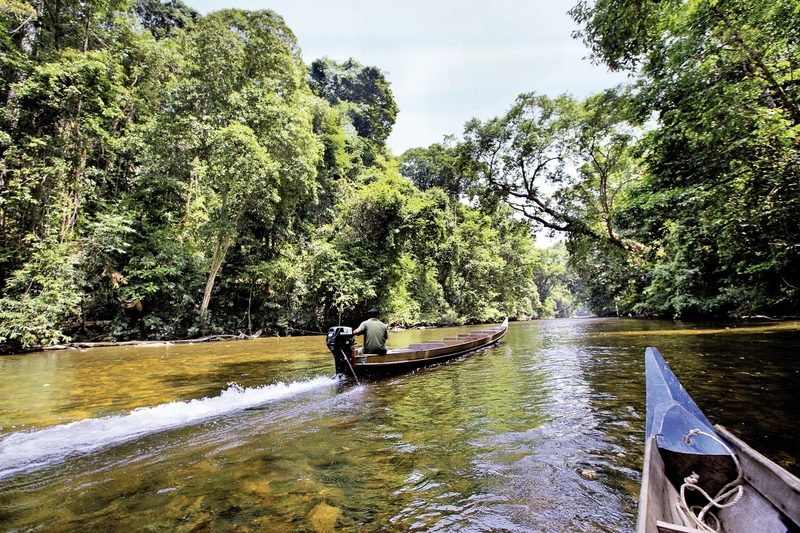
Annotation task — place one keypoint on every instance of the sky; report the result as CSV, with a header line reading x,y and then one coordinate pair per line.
x,y
446,60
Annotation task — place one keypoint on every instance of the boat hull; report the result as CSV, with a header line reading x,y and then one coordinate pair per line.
x,y
770,496
349,362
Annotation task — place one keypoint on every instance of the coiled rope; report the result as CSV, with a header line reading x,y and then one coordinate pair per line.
x,y
703,518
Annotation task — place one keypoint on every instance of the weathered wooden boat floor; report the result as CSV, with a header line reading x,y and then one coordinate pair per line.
x,y
770,501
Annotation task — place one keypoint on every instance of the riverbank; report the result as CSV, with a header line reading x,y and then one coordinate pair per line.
x,y
292,332
80,345
10,349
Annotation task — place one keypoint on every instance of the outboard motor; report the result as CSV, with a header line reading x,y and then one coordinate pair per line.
x,y
340,342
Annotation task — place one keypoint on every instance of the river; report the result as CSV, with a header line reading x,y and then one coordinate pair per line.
x,y
542,432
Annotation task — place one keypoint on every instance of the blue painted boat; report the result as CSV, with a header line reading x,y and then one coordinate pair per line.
x,y
701,477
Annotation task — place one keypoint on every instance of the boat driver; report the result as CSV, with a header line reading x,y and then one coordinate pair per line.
x,y
375,334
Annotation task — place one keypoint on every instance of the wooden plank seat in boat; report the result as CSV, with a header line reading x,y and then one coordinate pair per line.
x,y
427,346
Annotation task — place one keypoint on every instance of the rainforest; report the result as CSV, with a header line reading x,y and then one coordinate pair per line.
x,y
166,174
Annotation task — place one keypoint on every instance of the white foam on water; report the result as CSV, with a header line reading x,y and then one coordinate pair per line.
x,y
26,451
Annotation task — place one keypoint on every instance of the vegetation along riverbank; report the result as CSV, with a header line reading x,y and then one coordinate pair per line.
x,y
169,175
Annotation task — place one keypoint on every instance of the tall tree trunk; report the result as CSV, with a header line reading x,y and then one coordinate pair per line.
x,y
87,25
249,307
30,36
224,240
30,32
70,217
57,32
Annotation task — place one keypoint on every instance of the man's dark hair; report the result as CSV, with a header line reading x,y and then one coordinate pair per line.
x,y
374,312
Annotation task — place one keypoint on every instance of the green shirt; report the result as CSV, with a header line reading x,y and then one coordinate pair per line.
x,y
375,334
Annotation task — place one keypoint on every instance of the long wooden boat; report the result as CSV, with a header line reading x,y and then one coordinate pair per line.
x,y
699,477
350,362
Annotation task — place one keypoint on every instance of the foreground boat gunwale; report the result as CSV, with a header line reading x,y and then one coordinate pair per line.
x,y
777,485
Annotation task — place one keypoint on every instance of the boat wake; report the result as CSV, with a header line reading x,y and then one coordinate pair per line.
x,y
27,451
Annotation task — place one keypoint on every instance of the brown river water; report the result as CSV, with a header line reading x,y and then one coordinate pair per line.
x,y
542,432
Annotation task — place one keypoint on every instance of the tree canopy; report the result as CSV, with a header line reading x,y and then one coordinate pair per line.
x,y
165,174
718,202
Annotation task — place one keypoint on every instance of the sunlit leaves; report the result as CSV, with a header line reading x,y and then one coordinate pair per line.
x,y
41,295
165,174
438,165
362,91
719,202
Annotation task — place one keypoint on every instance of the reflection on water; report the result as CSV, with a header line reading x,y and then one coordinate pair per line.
x,y
542,432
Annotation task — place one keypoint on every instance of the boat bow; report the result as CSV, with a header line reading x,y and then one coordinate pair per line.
x,y
672,415
710,482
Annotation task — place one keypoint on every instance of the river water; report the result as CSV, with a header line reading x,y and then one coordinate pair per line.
x,y
543,432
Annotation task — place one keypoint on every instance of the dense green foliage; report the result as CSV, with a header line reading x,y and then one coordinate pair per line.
x,y
719,199
165,174
679,194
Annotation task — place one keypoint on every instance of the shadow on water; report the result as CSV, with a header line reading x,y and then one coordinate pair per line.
x,y
541,432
